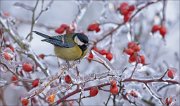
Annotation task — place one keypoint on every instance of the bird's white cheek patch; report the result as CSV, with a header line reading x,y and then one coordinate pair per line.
x,y
76,39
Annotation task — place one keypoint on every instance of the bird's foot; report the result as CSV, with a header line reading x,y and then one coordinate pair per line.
x,y
68,65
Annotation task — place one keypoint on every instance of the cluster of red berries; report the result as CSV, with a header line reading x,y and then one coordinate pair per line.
x,y
170,73
133,51
64,28
114,88
162,30
35,82
27,67
126,10
94,27
103,52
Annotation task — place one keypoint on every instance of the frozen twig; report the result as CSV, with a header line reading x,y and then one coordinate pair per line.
x,y
35,18
33,21
106,103
23,45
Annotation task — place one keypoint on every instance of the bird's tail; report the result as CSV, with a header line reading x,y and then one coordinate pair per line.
x,y
41,34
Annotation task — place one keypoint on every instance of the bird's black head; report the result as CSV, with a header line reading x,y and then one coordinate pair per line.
x,y
81,40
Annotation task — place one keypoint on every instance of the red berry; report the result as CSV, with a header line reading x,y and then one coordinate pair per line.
x,y
109,56
97,29
168,101
24,102
41,56
90,57
170,73
35,83
163,31
103,52
136,48
155,28
68,79
94,27
124,8
133,58
61,29
64,26
142,59
14,78
131,44
114,90
131,8
51,98
127,17
27,67
133,93
93,91
7,56
113,83
129,51
95,49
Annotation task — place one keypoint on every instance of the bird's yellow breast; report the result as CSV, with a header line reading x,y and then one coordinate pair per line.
x,y
69,54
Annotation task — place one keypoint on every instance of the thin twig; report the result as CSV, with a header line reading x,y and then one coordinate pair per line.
x,y
154,95
33,21
134,69
106,103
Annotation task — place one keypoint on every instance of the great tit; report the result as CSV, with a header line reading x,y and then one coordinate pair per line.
x,y
69,47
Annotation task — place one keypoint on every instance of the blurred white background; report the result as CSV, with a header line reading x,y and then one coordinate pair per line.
x,y
64,12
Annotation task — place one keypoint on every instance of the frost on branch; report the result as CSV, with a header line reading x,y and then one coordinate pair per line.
x,y
27,7
132,56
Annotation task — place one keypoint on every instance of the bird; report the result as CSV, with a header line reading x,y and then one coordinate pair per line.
x,y
69,47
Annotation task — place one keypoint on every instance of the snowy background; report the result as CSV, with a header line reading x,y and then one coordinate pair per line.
x,y
64,12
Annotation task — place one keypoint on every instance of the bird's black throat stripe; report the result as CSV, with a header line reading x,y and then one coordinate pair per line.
x,y
83,48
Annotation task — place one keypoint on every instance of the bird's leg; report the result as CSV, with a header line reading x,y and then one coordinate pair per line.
x,y
79,61
59,64
68,65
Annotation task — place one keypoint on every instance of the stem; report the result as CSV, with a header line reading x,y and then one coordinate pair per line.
x,y
77,91
33,21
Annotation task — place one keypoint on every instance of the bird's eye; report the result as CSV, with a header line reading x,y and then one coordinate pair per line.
x,y
77,40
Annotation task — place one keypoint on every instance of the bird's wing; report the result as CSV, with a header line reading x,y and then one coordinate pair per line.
x,y
59,41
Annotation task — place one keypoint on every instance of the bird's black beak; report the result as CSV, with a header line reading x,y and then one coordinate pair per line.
x,y
87,44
